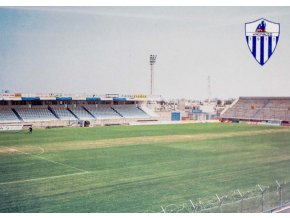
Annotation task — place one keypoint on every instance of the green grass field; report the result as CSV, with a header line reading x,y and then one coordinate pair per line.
x,y
136,168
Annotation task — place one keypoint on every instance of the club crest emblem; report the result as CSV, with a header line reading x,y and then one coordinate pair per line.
x,y
262,38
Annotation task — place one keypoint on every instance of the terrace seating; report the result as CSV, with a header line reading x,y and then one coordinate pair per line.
x,y
277,109
130,111
35,114
8,116
63,113
103,112
81,113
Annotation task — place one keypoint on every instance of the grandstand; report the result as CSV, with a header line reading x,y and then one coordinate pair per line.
x,y
274,110
61,109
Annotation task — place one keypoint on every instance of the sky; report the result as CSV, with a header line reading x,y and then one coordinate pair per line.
x,y
106,50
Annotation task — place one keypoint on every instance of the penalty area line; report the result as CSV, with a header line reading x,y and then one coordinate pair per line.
x,y
42,178
55,162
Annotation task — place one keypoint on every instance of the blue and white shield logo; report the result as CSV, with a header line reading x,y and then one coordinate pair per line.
x,y
262,37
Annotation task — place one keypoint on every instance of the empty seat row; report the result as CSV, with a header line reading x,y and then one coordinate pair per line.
x,y
103,112
63,113
7,115
81,113
130,111
35,114
259,109
88,112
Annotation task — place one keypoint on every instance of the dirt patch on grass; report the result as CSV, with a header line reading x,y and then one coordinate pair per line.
x,y
77,145
168,138
7,150
23,149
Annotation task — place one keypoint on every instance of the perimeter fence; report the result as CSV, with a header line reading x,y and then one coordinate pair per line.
x,y
258,199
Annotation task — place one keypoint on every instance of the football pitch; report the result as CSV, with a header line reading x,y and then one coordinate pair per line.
x,y
136,168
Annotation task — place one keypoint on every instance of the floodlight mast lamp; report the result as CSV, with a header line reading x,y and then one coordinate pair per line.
x,y
152,62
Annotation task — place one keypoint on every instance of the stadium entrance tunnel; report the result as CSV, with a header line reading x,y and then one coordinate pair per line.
x,y
86,123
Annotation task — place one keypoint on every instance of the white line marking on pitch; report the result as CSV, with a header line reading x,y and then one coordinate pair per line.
x,y
42,178
66,165
42,151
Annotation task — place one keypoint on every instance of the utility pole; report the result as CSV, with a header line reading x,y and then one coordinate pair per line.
x,y
152,62
209,89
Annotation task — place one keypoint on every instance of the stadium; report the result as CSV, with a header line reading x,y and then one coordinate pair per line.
x,y
138,163
86,152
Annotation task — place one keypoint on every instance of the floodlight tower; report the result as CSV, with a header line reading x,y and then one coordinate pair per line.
x,y
152,62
